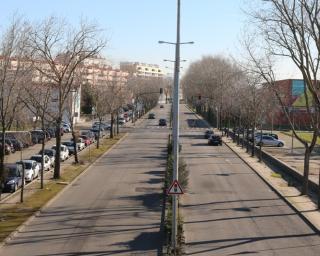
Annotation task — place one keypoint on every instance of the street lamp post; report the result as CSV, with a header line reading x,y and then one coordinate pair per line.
x,y
175,127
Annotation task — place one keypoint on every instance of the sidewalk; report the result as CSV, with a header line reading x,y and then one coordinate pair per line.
x,y
305,207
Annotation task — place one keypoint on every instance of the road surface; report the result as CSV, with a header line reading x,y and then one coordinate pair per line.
x,y
113,209
229,210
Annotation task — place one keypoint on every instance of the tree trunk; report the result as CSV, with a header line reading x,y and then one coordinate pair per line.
x,y
2,155
98,141
111,128
305,184
56,173
76,160
42,161
117,122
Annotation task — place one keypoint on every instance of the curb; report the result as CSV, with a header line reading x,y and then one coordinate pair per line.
x,y
56,197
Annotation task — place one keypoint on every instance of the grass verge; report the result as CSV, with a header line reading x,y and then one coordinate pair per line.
x,y
307,136
12,216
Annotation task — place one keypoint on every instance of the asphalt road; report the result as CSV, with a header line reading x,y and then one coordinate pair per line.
x,y
113,209
229,210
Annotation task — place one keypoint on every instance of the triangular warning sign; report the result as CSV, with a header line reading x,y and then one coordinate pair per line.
x,y
175,189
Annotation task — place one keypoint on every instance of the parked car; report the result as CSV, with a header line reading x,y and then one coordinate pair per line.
x,y
151,116
46,161
162,122
66,127
31,169
267,133
89,134
80,143
70,146
51,153
64,152
38,136
215,139
13,177
10,144
266,140
121,121
208,133
7,148
161,106
18,145
86,139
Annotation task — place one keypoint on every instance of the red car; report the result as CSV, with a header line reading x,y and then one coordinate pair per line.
x,y
86,139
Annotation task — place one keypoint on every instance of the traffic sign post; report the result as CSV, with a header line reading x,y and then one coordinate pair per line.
x,y
175,189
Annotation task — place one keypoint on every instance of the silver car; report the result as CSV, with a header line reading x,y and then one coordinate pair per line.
x,y
267,140
31,169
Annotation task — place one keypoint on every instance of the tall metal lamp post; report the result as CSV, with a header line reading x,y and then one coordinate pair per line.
x,y
175,127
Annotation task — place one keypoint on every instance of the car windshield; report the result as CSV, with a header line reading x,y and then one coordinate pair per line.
x,y
12,172
48,152
27,165
36,158
69,144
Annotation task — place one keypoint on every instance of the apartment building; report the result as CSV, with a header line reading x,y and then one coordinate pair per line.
x,y
142,69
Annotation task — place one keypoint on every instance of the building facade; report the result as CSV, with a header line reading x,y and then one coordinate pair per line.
x,y
142,69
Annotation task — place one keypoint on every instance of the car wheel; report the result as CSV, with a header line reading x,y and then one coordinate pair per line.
x,y
280,144
15,187
32,177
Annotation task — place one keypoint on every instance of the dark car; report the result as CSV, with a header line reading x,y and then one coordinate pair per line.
x,y
10,144
161,106
151,116
7,148
70,146
215,140
38,136
207,134
13,180
18,145
162,122
51,153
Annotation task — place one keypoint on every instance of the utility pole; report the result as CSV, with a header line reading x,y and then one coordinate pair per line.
x,y
176,131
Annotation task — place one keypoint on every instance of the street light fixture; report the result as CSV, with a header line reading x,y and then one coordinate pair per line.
x,y
175,126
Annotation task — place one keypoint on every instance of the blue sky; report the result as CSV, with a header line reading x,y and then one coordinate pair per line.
x,y
134,27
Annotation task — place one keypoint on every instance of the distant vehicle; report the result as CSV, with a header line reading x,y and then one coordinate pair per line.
x,y
70,146
87,140
64,152
38,136
267,140
89,134
31,169
51,153
121,121
161,106
46,161
66,127
7,148
162,122
10,144
208,133
151,116
80,144
13,179
215,140
269,134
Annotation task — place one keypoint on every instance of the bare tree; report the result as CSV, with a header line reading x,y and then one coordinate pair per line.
x,y
291,30
13,70
59,50
37,97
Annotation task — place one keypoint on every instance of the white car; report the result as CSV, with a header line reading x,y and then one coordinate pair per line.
x,y
64,152
80,144
66,128
267,140
31,169
46,161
